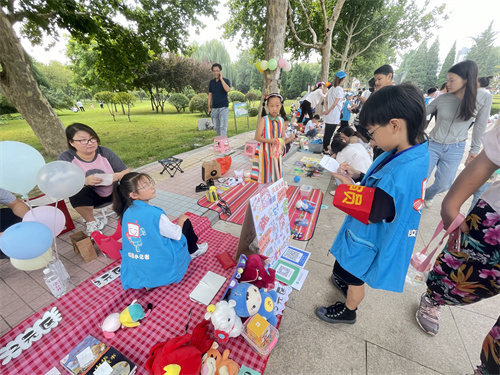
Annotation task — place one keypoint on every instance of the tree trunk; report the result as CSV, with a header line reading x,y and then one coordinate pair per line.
x,y
275,44
325,60
18,85
123,108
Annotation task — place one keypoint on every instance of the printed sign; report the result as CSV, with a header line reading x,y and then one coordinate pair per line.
x,y
107,277
240,110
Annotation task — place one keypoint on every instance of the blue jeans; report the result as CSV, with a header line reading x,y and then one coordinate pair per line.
x,y
219,119
447,158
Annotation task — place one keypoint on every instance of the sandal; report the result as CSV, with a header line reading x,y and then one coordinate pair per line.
x,y
201,187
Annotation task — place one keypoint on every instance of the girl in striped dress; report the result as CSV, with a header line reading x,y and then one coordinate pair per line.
x,y
267,166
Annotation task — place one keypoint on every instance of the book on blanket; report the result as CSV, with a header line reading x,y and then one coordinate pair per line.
x,y
207,288
93,357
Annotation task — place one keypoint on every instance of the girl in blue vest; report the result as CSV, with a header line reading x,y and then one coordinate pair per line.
x,y
379,253
155,251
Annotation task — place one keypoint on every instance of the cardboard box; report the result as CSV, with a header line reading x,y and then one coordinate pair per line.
x,y
258,329
82,244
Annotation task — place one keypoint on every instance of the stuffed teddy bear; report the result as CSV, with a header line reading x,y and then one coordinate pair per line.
x,y
213,363
256,273
226,323
250,301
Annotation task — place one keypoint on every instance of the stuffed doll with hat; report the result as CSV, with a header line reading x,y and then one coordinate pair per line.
x,y
226,323
133,313
250,301
256,273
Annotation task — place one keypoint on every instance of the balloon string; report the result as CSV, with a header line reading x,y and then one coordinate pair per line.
x,y
53,234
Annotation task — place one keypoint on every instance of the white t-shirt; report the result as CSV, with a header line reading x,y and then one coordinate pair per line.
x,y
366,94
334,116
315,97
169,229
491,145
309,126
356,155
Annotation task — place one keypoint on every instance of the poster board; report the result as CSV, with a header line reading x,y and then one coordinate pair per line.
x,y
241,110
267,221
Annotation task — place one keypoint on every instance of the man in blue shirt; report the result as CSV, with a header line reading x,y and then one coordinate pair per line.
x,y
218,104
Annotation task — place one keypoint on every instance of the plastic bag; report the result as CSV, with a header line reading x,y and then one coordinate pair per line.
x,y
414,276
225,164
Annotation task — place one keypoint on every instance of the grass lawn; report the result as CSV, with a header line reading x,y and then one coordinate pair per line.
x,y
495,106
149,137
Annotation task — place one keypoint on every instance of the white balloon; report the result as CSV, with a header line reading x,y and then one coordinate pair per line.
x,y
33,264
19,165
50,216
60,179
287,67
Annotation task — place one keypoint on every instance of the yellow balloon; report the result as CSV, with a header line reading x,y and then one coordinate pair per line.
x,y
33,264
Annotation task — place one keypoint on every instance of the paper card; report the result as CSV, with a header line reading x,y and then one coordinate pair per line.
x,y
53,371
107,178
244,370
283,292
296,256
103,369
286,272
107,277
329,164
300,279
85,357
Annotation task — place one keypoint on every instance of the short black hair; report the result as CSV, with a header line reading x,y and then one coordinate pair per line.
x,y
403,101
216,65
484,81
317,117
74,128
432,90
385,70
337,145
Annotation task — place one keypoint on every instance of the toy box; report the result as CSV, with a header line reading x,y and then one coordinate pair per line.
x,y
268,340
305,190
258,329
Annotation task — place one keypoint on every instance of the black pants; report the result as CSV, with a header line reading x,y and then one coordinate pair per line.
x,y
192,238
327,138
7,219
305,108
343,125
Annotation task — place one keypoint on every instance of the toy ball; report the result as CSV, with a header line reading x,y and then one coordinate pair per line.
x,y
296,179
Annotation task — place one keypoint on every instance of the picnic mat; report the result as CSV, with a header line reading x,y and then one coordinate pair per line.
x,y
238,196
85,307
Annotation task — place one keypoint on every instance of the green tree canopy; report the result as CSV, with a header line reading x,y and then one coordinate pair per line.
x,y
447,64
484,53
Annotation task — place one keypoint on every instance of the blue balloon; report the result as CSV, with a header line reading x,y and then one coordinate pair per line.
x,y
296,178
19,165
26,240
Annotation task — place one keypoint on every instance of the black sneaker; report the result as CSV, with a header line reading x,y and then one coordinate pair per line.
x,y
339,284
337,313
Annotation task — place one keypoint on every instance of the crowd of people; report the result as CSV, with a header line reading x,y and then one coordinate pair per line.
x,y
386,148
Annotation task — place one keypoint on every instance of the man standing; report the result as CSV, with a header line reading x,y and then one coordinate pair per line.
x,y
218,104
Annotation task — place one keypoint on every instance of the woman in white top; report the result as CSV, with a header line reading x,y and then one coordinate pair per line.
x,y
312,100
333,108
354,154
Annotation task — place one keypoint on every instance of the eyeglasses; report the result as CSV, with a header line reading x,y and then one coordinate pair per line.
x,y
149,186
370,134
85,141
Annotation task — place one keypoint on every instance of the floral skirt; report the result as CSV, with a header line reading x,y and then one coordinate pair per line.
x,y
473,273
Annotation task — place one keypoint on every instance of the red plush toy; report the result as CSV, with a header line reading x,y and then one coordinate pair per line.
x,y
256,274
185,351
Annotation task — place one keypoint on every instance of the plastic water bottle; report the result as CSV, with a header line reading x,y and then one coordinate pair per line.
x,y
58,268
56,285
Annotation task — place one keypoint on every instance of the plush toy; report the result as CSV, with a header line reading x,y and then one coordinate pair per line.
x,y
304,206
256,273
133,313
226,323
216,364
110,325
250,301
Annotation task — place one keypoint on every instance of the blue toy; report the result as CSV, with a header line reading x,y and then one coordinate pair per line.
x,y
304,206
296,178
250,301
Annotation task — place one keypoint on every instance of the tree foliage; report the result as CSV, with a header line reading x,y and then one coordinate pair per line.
x,y
199,103
214,51
124,98
179,101
447,64
484,53
236,96
107,97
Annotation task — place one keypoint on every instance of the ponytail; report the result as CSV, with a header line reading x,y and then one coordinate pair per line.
x,y
122,189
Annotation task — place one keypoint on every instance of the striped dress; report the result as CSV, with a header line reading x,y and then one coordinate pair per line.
x,y
266,168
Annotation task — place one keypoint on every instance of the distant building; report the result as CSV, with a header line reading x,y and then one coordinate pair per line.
x,y
462,54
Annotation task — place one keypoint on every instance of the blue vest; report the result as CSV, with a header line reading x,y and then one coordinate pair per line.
x,y
149,259
346,114
379,254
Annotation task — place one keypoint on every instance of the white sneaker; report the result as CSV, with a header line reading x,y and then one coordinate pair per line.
x,y
92,226
202,249
428,203
332,193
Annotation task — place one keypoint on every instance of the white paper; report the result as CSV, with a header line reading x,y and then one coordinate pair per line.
x,y
103,369
53,371
107,178
300,279
85,357
329,163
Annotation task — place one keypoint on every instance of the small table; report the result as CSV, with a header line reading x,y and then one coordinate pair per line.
x,y
171,164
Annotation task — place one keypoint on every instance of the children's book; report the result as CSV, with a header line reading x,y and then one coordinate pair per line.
x,y
83,355
93,357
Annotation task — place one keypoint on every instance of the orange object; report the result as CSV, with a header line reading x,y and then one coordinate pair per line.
x,y
225,164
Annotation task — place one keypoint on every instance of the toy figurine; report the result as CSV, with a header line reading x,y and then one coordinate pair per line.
x,y
250,301
304,206
133,313
226,323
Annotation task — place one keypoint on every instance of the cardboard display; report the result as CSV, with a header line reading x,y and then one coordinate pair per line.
x,y
210,170
82,244
267,221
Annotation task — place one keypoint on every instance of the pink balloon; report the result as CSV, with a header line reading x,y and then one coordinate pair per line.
x,y
51,216
281,63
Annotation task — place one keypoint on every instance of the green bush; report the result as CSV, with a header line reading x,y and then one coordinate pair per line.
x,y
179,101
252,112
236,96
199,103
189,92
6,106
251,98
303,93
